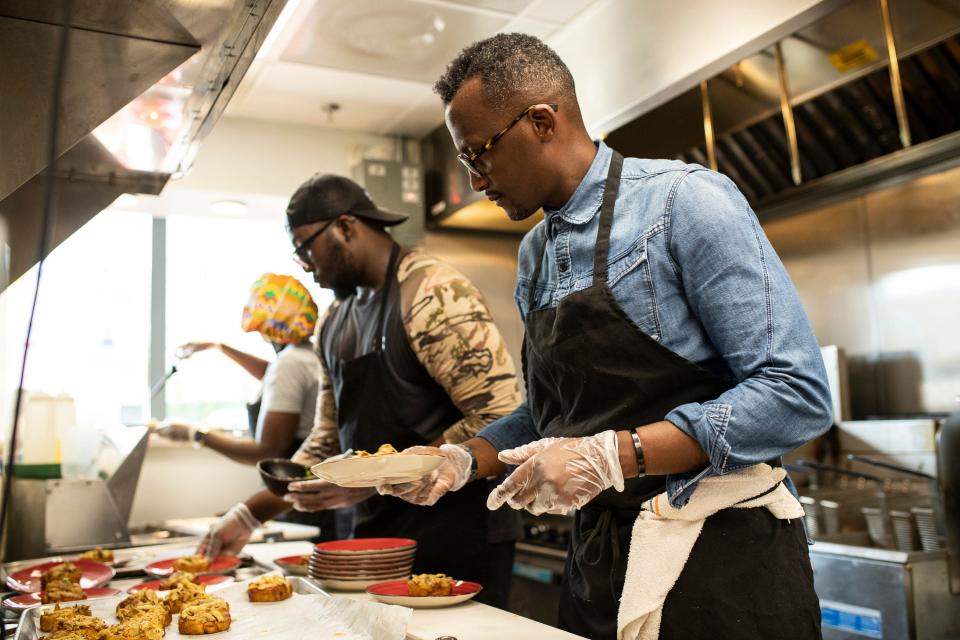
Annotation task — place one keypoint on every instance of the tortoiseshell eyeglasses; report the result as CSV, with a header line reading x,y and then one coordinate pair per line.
x,y
469,160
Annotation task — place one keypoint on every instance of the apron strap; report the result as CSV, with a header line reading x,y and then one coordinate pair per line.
x,y
610,190
387,288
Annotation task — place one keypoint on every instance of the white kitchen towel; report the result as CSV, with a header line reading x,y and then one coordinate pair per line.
x,y
663,538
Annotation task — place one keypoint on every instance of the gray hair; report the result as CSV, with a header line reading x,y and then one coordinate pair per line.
x,y
513,68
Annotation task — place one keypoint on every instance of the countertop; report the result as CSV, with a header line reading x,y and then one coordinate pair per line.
x,y
467,621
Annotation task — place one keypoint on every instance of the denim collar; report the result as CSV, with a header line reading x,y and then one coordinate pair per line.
x,y
585,201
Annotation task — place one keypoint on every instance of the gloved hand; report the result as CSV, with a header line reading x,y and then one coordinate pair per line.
x,y
317,495
559,475
176,431
186,350
451,475
230,533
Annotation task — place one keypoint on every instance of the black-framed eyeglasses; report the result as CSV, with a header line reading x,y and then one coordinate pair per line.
x,y
469,160
301,251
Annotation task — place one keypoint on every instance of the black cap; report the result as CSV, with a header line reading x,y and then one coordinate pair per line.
x,y
324,197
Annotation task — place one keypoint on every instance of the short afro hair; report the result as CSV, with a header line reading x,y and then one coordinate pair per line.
x,y
513,68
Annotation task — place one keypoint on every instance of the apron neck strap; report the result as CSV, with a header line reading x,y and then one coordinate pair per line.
x,y
385,300
610,190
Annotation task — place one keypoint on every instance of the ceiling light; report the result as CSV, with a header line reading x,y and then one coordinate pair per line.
x,y
439,23
228,207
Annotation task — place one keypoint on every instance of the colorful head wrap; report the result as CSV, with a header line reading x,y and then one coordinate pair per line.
x,y
281,309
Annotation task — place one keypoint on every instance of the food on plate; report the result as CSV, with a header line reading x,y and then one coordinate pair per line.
x,y
269,589
140,628
430,584
192,564
384,450
144,603
62,591
98,555
305,559
210,615
50,619
65,571
176,578
185,593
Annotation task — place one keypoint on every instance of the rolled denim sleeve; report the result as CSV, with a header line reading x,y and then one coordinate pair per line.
x,y
511,430
739,290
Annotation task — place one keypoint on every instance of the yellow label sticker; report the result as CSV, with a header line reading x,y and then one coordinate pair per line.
x,y
853,56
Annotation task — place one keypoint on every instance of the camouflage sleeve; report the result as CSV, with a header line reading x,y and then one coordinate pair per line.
x,y
323,440
454,337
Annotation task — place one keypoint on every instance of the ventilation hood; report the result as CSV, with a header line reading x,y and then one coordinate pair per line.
x,y
842,106
144,82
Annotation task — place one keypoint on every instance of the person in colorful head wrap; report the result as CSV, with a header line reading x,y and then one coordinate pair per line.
x,y
282,311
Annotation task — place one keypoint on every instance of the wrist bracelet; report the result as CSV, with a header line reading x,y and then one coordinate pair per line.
x,y
638,449
473,462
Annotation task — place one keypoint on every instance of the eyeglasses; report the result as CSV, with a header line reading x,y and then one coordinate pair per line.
x,y
301,251
469,160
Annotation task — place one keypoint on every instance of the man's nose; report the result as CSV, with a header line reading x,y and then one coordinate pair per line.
x,y
478,183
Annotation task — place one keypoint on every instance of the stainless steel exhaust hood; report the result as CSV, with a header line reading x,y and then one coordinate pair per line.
x,y
842,104
145,82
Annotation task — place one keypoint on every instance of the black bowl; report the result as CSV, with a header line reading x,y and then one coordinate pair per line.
x,y
278,473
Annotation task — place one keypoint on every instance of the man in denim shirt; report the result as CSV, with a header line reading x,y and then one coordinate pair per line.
x,y
664,343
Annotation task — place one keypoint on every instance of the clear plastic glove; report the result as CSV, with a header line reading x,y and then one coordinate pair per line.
x,y
317,495
176,431
229,534
449,476
559,475
186,350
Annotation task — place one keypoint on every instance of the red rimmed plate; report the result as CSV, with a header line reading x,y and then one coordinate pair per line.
x,y
29,600
220,564
366,546
396,592
361,562
93,575
403,572
293,565
206,580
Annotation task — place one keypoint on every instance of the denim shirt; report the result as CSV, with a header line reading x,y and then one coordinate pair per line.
x,y
691,267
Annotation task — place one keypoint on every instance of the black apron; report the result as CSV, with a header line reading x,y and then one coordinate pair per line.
x,y
372,410
589,368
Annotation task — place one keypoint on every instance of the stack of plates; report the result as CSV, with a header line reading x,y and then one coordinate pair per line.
x,y
354,565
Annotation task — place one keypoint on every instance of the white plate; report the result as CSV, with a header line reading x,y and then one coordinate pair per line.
x,y
371,471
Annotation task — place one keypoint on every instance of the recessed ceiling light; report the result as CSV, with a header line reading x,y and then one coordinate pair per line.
x,y
228,207
126,200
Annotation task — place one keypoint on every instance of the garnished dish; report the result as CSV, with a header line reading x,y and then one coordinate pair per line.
x,y
209,615
429,584
191,564
98,555
384,450
269,589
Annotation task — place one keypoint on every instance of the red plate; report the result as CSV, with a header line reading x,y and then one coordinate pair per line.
x,y
395,592
366,545
207,580
293,561
399,588
220,564
28,600
94,574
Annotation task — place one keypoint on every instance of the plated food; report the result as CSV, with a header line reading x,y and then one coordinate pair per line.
x,y
424,591
98,555
192,564
429,584
62,590
384,450
66,571
270,588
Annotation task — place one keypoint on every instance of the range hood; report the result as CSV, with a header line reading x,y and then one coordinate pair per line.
x,y
842,105
145,81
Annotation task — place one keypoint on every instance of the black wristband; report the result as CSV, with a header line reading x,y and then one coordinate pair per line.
x,y
473,462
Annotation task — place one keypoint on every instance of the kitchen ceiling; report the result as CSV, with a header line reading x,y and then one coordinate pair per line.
x,y
377,60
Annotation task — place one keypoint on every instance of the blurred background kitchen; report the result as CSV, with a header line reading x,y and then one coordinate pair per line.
x,y
186,125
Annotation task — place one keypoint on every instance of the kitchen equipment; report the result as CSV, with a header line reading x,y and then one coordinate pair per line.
x,y
278,473
59,516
